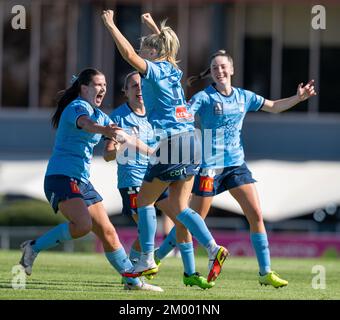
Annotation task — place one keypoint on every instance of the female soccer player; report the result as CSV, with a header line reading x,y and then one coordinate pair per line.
x,y
80,126
222,108
131,116
166,110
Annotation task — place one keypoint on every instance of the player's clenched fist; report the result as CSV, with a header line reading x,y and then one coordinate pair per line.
x,y
107,17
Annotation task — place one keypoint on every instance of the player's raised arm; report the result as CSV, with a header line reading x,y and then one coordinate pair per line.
x,y
303,93
150,23
125,48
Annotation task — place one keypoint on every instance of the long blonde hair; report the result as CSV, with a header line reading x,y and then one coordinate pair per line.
x,y
166,44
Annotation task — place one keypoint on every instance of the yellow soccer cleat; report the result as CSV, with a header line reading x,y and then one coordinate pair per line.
x,y
215,265
158,263
272,279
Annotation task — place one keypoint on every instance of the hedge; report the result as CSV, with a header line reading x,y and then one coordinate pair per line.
x,y
28,213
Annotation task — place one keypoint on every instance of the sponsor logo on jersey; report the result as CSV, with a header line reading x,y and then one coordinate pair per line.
x,y
218,109
182,114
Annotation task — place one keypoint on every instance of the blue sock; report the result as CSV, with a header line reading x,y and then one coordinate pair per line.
x,y
168,244
52,238
261,246
188,258
147,225
196,225
134,255
120,261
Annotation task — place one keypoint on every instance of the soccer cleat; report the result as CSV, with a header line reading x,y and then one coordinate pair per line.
x,y
197,280
272,279
157,260
158,263
28,256
142,286
142,268
215,265
145,273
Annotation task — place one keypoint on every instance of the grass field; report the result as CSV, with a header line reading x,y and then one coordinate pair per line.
x,y
89,276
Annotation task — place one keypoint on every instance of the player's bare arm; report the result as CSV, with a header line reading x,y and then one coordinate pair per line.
x,y
123,45
150,23
303,93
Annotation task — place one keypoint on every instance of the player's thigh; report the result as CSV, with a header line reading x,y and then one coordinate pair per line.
x,y
101,224
179,194
247,197
75,210
150,192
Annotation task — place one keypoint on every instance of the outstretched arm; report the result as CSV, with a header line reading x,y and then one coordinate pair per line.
x,y
125,48
147,19
303,93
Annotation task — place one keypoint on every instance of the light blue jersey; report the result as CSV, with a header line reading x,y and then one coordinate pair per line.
x,y
164,99
221,120
132,165
73,148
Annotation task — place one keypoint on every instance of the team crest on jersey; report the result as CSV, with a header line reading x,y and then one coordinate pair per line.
x,y
218,109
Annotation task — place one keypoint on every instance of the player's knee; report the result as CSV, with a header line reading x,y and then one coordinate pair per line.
x,y
83,228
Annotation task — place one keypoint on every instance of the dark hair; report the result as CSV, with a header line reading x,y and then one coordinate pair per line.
x,y
206,73
65,97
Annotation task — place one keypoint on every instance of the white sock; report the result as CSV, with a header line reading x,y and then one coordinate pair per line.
x,y
212,249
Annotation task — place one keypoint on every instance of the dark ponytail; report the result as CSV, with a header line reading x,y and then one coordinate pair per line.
x,y
65,97
206,73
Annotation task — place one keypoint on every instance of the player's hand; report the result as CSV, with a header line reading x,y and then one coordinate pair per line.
x,y
107,17
147,19
307,91
112,130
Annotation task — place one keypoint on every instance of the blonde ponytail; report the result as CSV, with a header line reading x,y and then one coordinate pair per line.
x,y
166,44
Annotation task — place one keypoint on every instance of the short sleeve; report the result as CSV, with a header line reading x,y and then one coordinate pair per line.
x,y
75,110
254,102
156,71
197,101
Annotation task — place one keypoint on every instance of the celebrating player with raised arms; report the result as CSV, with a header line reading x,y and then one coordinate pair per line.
x,y
166,110
221,109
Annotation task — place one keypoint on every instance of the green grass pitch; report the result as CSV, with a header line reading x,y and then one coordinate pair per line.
x,y
89,276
